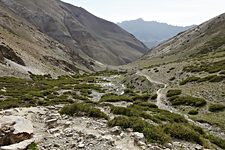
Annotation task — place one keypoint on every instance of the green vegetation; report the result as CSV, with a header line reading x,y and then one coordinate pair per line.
x,y
32,146
207,67
173,92
213,45
157,115
216,140
115,98
80,109
187,100
222,72
43,90
189,79
127,97
193,112
211,78
184,132
163,133
152,133
216,107
131,112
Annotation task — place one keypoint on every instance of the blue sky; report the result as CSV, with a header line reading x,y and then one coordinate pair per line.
x,y
175,12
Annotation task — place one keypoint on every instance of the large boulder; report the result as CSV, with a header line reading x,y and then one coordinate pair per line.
x,y
14,129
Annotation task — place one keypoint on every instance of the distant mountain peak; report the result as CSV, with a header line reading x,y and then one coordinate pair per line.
x,y
151,32
139,19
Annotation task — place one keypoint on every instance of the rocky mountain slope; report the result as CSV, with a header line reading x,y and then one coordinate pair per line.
x,y
77,28
191,66
151,32
55,37
206,39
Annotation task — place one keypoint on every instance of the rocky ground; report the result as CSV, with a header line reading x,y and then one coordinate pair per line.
x,y
53,131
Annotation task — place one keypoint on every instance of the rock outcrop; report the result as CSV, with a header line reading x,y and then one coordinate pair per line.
x,y
14,129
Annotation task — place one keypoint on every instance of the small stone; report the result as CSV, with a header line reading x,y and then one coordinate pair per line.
x,y
168,145
8,113
198,147
51,121
138,136
129,130
81,145
140,143
122,135
67,124
116,130
155,148
54,130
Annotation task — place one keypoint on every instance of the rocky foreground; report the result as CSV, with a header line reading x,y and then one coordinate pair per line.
x,y
52,131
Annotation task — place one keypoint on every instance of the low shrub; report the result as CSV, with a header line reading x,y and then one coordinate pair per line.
x,y
144,97
211,78
154,97
222,72
80,109
216,140
193,112
170,117
10,103
216,107
189,79
131,112
183,132
115,98
151,133
187,100
145,104
207,67
173,92
32,146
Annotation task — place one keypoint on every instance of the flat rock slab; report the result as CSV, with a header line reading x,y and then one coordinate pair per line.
x,y
20,124
19,146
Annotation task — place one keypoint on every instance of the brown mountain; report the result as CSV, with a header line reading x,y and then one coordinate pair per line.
x,y
52,34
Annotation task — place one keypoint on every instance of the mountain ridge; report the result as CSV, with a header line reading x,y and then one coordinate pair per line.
x,y
75,37
151,32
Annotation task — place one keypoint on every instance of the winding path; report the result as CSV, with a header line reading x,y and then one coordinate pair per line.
x,y
163,104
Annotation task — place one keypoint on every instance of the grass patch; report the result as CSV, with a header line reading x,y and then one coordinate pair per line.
x,y
193,112
216,140
158,114
43,90
162,133
216,107
32,146
210,78
173,92
132,112
189,79
207,67
184,132
115,98
152,134
187,100
81,109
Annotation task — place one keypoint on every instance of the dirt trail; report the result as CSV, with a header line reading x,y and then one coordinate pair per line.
x,y
163,104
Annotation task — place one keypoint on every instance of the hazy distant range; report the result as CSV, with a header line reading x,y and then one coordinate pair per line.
x,y
151,33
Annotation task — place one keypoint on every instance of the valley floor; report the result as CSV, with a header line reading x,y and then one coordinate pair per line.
x,y
103,111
